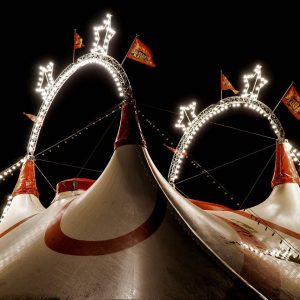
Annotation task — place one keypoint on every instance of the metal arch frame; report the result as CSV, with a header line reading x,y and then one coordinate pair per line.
x,y
113,67
210,112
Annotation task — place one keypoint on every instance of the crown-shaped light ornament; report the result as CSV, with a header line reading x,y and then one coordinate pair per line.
x,y
189,113
45,81
109,33
259,82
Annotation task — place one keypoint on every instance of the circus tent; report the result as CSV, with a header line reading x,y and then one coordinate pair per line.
x,y
269,232
130,234
25,202
127,235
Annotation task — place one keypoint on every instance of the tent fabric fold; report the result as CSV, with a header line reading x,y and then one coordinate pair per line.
x,y
131,235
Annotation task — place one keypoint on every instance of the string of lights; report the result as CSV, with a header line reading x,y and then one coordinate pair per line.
x,y
291,249
48,87
194,122
168,139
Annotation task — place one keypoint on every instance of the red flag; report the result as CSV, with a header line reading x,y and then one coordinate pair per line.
x,y
291,99
31,117
77,41
226,85
141,53
176,151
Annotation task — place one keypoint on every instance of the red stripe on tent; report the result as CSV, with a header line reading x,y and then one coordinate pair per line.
x,y
26,182
285,170
129,129
209,205
15,225
74,184
217,207
56,240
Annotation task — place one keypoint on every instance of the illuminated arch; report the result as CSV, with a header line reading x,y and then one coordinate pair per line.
x,y
110,64
207,114
48,87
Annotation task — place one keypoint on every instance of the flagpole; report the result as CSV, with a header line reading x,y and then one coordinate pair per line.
x,y
221,84
73,45
282,96
136,35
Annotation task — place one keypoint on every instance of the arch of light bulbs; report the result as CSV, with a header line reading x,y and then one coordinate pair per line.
x,y
48,94
210,112
48,87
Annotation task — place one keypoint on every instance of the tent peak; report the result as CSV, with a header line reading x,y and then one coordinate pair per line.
x,y
26,183
129,129
285,170
73,184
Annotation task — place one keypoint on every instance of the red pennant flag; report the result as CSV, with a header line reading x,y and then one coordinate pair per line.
x,y
176,151
77,41
291,99
141,53
226,85
31,117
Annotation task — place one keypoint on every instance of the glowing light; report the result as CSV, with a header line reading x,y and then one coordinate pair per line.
x,y
109,33
50,90
184,113
10,170
259,82
45,75
193,126
295,154
6,208
281,253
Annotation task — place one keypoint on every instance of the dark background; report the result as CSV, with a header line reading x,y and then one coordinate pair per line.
x,y
191,42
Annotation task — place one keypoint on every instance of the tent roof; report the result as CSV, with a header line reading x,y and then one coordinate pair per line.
x,y
26,183
74,184
129,129
285,170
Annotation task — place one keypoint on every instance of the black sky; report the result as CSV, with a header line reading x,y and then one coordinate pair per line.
x,y
191,42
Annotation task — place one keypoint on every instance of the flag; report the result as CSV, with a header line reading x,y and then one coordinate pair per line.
x,y
31,117
141,53
77,41
291,99
226,85
176,151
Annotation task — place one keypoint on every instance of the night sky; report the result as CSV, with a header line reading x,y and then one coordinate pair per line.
x,y
190,44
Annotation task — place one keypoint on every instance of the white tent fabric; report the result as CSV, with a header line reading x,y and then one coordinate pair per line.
x,y
130,235
282,207
71,188
25,202
270,232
